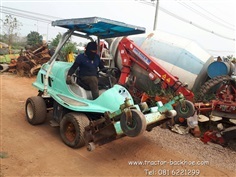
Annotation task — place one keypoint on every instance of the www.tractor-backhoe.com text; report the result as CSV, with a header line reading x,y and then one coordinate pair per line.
x,y
170,162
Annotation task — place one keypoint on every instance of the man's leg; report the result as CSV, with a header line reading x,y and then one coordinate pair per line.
x,y
92,82
107,81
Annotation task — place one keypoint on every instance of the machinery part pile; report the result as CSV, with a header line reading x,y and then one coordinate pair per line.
x,y
29,62
223,96
207,86
219,137
214,137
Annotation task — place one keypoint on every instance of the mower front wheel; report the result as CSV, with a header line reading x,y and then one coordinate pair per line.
x,y
136,126
72,128
185,109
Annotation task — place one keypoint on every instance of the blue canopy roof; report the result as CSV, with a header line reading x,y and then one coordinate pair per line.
x,y
101,27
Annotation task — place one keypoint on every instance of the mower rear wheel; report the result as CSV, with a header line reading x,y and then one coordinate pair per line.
x,y
138,125
35,109
72,128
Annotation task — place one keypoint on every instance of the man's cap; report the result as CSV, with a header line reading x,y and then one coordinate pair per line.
x,y
91,46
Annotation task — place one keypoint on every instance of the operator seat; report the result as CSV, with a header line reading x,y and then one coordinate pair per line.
x,y
83,90
79,90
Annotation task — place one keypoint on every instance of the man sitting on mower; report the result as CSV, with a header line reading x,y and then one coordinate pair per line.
x,y
87,65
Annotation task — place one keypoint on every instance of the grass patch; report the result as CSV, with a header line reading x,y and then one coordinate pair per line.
x,y
3,155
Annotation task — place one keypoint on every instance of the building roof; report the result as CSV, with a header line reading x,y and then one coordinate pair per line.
x,y
3,45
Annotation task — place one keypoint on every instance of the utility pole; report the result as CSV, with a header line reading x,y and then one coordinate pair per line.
x,y
47,32
156,14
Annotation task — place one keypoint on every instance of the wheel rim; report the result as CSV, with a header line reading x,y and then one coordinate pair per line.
x,y
70,132
132,125
184,110
30,111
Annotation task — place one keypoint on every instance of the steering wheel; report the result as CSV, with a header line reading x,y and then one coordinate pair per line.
x,y
109,78
110,72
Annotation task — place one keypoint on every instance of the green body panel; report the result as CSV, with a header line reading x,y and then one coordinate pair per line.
x,y
110,100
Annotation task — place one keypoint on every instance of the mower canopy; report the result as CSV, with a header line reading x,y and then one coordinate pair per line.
x,y
101,27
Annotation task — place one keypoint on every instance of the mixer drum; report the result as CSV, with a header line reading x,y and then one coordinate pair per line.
x,y
181,57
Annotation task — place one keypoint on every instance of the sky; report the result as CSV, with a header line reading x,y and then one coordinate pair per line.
x,y
215,19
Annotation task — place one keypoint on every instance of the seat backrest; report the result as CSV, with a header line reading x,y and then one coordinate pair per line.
x,y
78,90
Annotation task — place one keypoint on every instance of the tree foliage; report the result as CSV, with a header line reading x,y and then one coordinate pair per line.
x,y
230,58
10,27
66,49
34,39
56,40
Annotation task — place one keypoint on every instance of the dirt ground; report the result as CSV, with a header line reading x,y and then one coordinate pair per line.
x,y
28,150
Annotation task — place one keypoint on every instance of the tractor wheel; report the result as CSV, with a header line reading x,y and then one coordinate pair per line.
x,y
138,125
72,128
209,88
36,110
185,110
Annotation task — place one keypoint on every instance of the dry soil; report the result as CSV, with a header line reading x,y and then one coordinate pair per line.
x,y
28,150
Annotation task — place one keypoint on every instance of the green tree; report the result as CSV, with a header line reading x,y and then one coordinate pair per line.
x,y
68,47
34,39
10,27
56,40
3,38
230,58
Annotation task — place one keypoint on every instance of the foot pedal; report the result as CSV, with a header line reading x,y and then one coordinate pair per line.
x,y
53,123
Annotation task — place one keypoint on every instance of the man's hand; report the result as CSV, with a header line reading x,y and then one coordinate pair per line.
x,y
104,70
68,80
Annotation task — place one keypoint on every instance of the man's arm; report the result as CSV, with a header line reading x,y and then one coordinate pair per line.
x,y
101,66
73,68
71,71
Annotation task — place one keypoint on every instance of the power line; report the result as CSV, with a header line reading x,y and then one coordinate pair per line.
x,y
223,51
152,4
25,16
204,16
214,15
196,25
24,11
189,22
21,13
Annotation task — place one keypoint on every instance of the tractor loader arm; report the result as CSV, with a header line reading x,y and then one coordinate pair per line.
x,y
131,53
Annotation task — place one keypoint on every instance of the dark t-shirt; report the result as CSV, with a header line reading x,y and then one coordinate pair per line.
x,y
87,67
